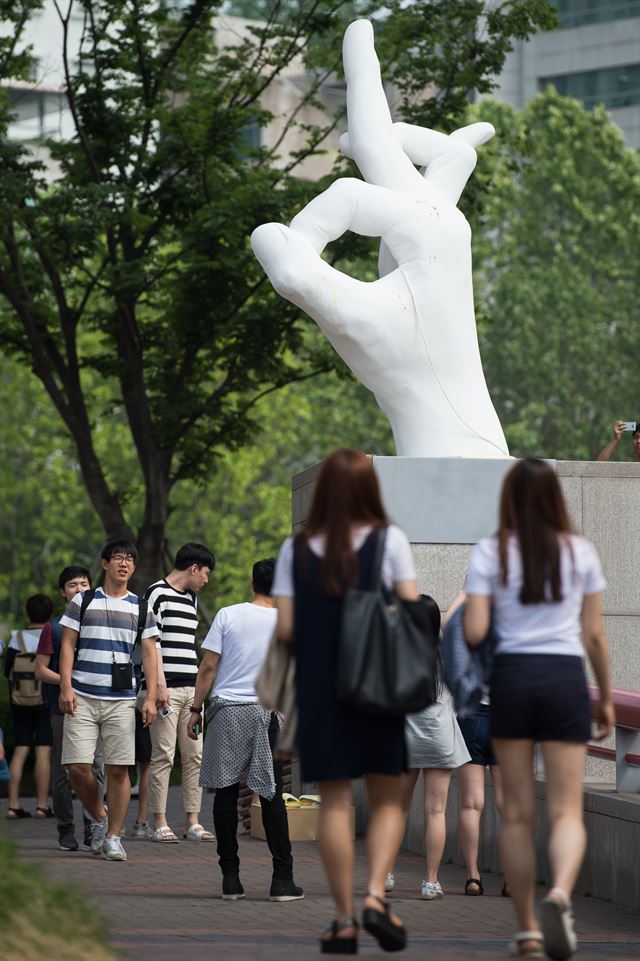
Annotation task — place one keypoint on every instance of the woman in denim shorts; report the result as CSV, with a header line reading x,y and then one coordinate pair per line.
x,y
545,585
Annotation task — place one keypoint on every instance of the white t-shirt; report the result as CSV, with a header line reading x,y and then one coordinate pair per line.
x,y
545,628
30,638
397,560
241,635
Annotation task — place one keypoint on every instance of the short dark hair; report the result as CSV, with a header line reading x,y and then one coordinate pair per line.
x,y
39,608
262,575
70,573
122,546
190,554
637,430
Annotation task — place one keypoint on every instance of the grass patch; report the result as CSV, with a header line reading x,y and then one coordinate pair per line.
x,y
43,919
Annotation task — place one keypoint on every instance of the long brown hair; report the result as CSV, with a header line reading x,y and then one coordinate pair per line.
x,y
532,507
346,493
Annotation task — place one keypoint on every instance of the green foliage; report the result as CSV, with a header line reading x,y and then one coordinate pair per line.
x,y
128,285
557,275
43,919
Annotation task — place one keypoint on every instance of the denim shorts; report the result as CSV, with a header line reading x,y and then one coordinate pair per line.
x,y
475,731
540,697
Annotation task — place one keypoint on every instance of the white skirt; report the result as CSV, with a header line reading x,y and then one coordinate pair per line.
x,y
433,736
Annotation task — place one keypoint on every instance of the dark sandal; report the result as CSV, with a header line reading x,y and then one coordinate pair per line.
x,y
44,812
335,945
390,936
17,814
478,884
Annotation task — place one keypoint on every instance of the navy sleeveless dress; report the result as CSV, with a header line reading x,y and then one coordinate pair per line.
x,y
336,742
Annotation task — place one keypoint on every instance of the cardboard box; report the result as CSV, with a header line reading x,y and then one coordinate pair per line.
x,y
303,822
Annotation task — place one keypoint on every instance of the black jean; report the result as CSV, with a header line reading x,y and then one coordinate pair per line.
x,y
274,818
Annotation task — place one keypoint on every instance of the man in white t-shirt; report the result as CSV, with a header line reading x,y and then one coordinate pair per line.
x,y
241,734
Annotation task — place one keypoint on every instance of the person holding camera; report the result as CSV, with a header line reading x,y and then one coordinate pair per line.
x,y
619,428
98,693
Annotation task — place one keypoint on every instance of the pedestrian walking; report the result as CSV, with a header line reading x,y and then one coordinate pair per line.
x,y
174,603
545,585
471,778
338,742
435,747
71,581
97,691
29,713
241,734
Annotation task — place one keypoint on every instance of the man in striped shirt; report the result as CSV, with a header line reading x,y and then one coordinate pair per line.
x,y
174,605
97,692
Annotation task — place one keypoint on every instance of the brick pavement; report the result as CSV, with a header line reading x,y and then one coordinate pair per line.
x,y
163,904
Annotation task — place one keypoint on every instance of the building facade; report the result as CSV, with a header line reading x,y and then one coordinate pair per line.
x,y
593,56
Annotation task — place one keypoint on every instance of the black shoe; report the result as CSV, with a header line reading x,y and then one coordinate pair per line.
x,y
390,936
335,945
232,890
284,889
67,839
86,838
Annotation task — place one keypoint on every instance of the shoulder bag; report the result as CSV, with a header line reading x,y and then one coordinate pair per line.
x,y
387,653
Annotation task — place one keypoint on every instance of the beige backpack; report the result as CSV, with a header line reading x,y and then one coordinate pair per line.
x,y
26,690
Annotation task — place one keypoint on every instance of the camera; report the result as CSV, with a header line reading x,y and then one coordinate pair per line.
x,y
166,711
629,425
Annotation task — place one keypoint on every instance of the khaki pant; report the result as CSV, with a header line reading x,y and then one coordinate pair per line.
x,y
164,734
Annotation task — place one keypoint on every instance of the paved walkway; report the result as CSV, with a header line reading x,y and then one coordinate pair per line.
x,y
163,904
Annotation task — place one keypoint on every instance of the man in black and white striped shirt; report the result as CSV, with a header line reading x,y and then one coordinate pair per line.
x,y
174,605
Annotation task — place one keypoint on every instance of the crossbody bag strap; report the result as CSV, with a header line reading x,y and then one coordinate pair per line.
x,y
376,567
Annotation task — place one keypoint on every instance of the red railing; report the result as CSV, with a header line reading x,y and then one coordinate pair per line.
x,y
627,708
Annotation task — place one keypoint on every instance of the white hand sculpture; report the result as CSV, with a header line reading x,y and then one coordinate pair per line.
x,y
410,337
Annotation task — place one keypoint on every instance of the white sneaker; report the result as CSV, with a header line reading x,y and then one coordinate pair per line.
x,y
98,831
431,891
390,883
112,849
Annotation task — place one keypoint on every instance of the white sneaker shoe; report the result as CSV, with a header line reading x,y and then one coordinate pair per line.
x,y
390,883
112,850
431,891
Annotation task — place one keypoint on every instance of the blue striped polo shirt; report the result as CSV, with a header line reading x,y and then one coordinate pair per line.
x,y
109,628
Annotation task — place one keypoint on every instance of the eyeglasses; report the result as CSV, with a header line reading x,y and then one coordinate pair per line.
x,y
123,559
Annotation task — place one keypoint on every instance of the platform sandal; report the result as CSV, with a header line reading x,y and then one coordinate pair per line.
x,y
390,936
517,949
336,945
478,887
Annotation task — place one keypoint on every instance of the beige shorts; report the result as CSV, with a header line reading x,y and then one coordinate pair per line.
x,y
113,721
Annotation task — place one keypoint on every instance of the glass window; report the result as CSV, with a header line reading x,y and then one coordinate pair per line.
x,y
575,13
613,87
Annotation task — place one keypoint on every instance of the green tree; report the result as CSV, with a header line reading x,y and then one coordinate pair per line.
x,y
557,275
134,267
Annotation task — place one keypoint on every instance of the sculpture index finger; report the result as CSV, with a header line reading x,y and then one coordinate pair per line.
x,y
372,141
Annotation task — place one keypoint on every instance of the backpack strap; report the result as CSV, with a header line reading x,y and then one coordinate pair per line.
x,y
376,567
21,643
87,597
143,607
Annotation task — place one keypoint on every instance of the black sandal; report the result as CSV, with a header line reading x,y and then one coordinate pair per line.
x,y
17,814
336,945
478,883
390,936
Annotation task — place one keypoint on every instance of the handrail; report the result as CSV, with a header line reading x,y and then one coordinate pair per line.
x,y
626,704
626,756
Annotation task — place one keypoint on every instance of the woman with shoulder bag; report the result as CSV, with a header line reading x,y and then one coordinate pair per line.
x,y
545,585
338,742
